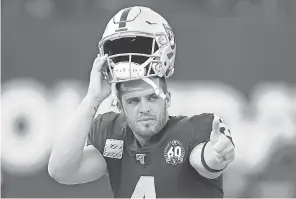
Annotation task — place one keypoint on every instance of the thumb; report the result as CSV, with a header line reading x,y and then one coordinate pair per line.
x,y
215,130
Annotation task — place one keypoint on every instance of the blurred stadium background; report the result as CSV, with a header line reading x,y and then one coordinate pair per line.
x,y
234,57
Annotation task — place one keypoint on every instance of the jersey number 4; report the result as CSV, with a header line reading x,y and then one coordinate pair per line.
x,y
145,188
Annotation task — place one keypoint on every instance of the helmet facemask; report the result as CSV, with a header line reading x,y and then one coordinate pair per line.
x,y
138,55
134,56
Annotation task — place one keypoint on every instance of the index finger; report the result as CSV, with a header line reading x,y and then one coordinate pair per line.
x,y
99,62
223,143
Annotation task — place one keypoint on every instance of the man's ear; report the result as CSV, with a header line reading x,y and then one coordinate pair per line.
x,y
168,99
119,106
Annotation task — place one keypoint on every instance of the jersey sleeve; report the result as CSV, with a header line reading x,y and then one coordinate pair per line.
x,y
100,129
202,125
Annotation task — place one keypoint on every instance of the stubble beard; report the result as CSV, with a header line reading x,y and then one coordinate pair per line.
x,y
149,129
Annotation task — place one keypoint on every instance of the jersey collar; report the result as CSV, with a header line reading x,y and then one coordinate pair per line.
x,y
133,145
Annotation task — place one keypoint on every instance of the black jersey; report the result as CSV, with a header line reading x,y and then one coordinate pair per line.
x,y
161,167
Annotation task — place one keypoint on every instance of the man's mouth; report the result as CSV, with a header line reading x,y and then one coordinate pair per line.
x,y
143,119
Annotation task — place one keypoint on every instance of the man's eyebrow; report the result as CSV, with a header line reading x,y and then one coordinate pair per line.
x,y
131,98
150,95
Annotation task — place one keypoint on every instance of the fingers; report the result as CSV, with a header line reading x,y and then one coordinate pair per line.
x,y
224,150
228,149
99,62
226,159
222,144
111,62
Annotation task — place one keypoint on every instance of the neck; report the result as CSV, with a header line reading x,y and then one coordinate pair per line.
x,y
142,140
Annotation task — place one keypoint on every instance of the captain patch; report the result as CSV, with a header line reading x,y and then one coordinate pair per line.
x,y
113,148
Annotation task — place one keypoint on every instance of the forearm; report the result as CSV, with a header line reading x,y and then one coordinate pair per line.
x,y
68,147
210,161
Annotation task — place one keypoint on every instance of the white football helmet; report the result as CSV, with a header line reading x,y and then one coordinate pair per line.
x,y
140,44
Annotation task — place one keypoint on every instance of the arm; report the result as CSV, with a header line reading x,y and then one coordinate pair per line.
x,y
210,158
70,162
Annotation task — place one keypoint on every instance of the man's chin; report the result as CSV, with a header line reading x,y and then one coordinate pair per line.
x,y
144,131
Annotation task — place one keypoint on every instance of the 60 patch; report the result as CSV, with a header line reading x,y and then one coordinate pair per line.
x,y
174,152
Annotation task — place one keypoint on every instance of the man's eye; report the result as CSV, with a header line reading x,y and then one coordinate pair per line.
x,y
132,101
154,97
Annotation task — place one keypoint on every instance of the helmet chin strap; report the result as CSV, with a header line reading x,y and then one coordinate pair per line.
x,y
155,87
150,82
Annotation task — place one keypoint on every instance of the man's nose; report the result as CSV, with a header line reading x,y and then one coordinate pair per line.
x,y
145,108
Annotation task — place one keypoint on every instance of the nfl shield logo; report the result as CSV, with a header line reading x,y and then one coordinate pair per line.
x,y
141,158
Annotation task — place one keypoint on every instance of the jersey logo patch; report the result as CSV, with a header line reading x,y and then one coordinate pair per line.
x,y
113,148
174,152
141,158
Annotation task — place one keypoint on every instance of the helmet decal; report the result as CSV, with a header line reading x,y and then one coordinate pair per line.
x,y
123,18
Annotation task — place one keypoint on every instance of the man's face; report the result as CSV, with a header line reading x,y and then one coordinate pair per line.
x,y
146,112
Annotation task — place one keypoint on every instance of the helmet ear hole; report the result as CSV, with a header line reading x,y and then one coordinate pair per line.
x,y
173,45
119,107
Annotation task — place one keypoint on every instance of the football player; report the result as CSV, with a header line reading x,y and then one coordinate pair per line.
x,y
145,151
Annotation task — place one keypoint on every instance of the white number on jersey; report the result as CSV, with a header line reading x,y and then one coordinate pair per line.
x,y
145,188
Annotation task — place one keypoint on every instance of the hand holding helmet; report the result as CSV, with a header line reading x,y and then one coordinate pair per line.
x,y
98,87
